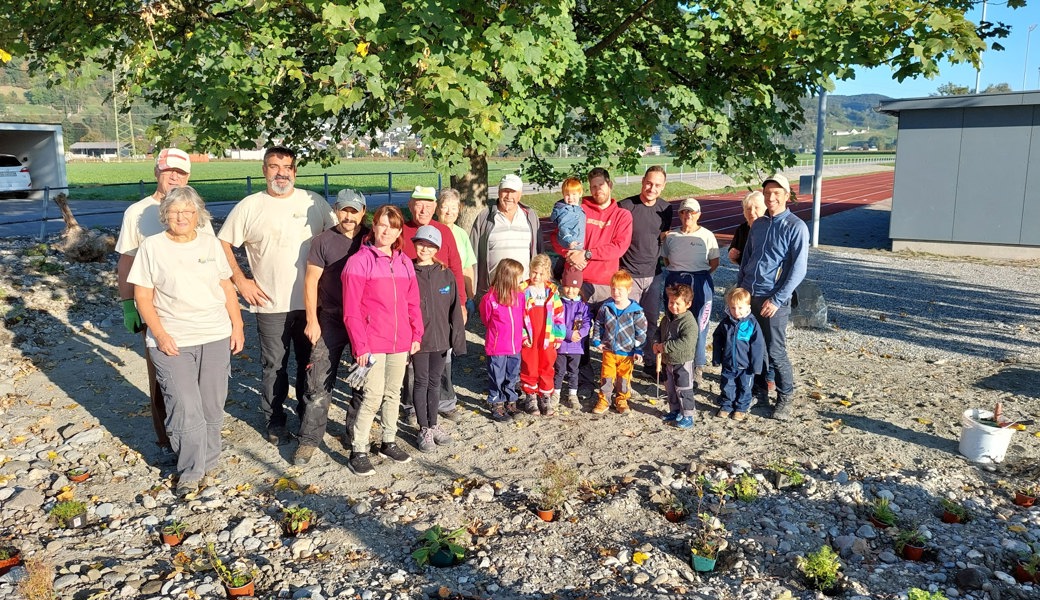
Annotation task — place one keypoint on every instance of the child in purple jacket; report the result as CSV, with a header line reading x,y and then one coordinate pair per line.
x,y
502,311
576,323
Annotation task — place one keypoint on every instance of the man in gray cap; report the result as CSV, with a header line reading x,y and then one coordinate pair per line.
x,y
774,263
506,229
323,304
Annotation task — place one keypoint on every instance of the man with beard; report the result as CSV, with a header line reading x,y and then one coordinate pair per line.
x,y
276,227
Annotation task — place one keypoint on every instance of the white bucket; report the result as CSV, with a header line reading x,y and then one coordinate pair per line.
x,y
982,443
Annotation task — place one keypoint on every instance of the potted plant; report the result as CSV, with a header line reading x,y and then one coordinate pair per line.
x,y
709,532
785,476
673,508
440,547
237,579
1026,496
953,512
77,474
919,594
10,557
1027,567
881,514
173,532
69,514
821,570
296,520
910,544
557,484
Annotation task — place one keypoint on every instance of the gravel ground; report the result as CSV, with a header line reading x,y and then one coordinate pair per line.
x,y
912,342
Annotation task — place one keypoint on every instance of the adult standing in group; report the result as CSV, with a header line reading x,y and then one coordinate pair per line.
x,y
754,205
448,205
774,262
140,220
384,322
323,305
422,206
276,227
183,289
651,220
507,229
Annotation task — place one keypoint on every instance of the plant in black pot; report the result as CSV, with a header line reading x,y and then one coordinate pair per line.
x,y
69,514
441,547
785,476
822,570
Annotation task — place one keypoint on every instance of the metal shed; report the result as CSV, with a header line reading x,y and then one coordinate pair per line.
x,y
39,146
967,179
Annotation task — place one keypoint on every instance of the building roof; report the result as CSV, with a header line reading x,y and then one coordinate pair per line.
x,y
894,107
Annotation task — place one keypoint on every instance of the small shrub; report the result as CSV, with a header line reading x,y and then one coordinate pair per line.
x,y
820,567
919,594
557,484
745,488
954,508
38,583
64,511
436,539
294,517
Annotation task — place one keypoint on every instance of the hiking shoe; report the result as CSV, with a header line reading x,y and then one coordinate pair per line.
x,y
671,417
543,404
213,476
360,464
393,452
451,415
621,405
601,406
739,416
512,409
531,404
698,377
784,409
303,454
498,412
722,414
684,422
409,419
278,435
572,401
186,488
441,437
425,440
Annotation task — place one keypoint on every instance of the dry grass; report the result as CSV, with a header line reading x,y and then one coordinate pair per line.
x,y
39,583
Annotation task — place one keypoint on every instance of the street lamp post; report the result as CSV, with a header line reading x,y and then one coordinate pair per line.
x,y
978,71
1025,64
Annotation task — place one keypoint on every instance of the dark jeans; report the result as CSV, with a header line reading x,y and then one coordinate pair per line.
x,y
448,399
567,371
503,375
322,374
774,330
426,369
277,331
735,391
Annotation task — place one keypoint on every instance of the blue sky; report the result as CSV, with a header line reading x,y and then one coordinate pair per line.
x,y
998,67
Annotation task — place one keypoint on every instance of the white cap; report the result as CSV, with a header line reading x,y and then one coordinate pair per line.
x,y
511,182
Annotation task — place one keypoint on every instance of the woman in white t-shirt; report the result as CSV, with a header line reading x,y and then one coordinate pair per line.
x,y
184,294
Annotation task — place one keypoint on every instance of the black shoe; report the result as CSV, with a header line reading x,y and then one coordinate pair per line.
x,y
530,404
498,413
784,409
278,435
360,464
391,451
167,457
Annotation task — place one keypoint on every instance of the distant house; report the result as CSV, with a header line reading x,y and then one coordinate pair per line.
x,y
968,175
98,150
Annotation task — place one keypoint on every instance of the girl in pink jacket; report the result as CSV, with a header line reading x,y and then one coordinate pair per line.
x,y
502,311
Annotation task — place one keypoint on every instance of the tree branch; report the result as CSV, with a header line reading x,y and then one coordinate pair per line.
x,y
617,31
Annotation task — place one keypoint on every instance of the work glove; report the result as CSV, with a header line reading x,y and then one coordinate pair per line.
x,y
356,378
131,318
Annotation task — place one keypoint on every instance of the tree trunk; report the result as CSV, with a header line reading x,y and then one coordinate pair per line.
x,y
472,187
80,244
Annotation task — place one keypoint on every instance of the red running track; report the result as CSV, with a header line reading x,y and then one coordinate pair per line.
x,y
722,213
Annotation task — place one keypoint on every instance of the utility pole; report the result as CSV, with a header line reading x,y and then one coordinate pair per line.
x,y
1025,61
124,121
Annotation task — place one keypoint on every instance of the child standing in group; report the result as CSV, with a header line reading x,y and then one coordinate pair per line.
x,y
691,255
678,346
738,345
621,330
502,311
443,329
543,332
569,219
576,325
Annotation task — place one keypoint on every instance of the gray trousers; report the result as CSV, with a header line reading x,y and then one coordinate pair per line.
x,y
195,386
678,384
383,395
647,293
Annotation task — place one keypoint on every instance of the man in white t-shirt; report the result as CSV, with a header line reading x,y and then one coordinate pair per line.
x,y
140,220
276,227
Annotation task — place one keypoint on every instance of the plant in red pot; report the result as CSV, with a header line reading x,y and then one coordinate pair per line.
x,y
558,483
296,520
953,511
173,532
1027,567
10,557
881,514
673,508
1026,496
237,578
910,544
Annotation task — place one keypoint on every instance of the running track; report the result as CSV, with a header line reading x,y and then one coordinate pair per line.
x,y
722,213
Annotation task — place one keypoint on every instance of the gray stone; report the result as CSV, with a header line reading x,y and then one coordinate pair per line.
x,y
811,312
244,528
151,587
90,437
971,579
105,510
23,499
65,581
362,507
843,544
301,548
484,493
148,502
640,578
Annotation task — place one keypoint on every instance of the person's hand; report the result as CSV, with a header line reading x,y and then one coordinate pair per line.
x,y
312,331
238,340
362,360
557,344
252,293
658,348
166,345
638,359
527,343
415,348
577,258
131,318
769,309
734,255
575,336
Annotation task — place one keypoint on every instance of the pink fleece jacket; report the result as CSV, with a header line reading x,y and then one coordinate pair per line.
x,y
505,325
381,302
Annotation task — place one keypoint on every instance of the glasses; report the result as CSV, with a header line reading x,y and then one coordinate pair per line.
x,y
182,213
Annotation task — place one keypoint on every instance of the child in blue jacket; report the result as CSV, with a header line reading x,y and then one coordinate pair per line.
x,y
738,346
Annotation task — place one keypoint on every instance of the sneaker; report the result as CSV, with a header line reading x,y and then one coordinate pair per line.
x,y
684,423
393,452
303,454
185,489
360,464
425,440
671,417
441,437
698,377
739,416
512,409
722,414
531,404
601,406
572,401
621,405
498,412
278,435
784,409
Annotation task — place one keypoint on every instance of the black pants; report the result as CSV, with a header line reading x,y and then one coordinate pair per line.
x,y
567,371
277,332
427,368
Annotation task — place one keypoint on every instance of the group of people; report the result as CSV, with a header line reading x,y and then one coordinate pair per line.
x,y
395,296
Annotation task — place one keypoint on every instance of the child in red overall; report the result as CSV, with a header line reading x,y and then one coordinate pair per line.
x,y
543,333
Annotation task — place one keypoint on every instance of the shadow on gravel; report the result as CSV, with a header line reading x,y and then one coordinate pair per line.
x,y
891,430
1018,380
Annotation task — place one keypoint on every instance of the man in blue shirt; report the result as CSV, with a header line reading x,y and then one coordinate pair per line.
x,y
773,265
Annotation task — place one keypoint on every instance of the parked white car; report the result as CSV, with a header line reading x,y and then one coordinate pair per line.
x,y
14,177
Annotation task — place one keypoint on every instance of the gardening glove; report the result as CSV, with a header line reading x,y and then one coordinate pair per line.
x,y
131,318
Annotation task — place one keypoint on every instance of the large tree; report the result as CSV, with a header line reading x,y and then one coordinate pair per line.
x,y
470,75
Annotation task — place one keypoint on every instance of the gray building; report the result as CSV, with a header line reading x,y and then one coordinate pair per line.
x,y
967,179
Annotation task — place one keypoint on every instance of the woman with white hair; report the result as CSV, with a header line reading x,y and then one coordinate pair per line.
x,y
754,207
184,294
